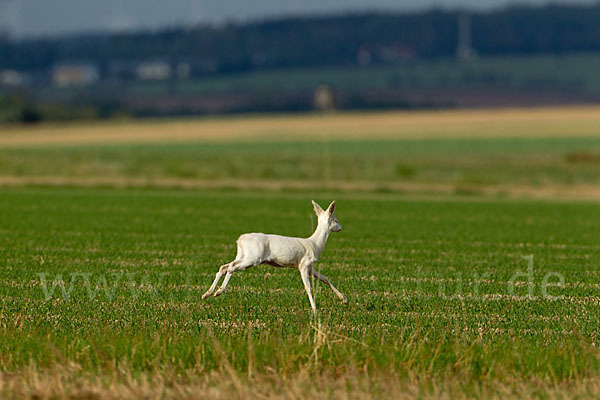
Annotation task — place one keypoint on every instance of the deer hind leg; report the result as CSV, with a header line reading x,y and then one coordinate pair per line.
x,y
234,267
223,269
325,280
220,273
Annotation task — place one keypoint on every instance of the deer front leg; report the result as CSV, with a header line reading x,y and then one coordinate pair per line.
x,y
304,273
325,280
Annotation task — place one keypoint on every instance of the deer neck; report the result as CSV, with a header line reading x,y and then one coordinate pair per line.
x,y
319,237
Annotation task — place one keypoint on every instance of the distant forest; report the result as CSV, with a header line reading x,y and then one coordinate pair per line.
x,y
374,38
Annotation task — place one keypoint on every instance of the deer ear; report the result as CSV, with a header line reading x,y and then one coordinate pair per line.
x,y
331,207
318,209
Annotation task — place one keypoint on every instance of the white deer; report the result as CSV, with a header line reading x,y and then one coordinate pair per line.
x,y
284,252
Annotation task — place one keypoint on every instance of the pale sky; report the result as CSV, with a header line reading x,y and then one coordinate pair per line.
x,y
25,18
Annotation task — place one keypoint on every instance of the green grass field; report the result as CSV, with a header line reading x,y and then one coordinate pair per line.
x,y
428,280
469,257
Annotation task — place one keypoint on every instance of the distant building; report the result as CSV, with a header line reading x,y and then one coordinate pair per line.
x,y
74,75
12,78
153,71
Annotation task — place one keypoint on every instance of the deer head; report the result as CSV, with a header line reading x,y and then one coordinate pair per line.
x,y
327,218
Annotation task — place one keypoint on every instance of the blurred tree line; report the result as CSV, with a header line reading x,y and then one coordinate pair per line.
x,y
323,40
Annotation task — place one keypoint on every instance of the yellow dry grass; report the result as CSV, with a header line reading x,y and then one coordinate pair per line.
x,y
69,383
571,192
583,121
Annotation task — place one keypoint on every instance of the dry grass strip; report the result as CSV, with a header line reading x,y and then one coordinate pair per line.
x,y
583,121
69,383
549,191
